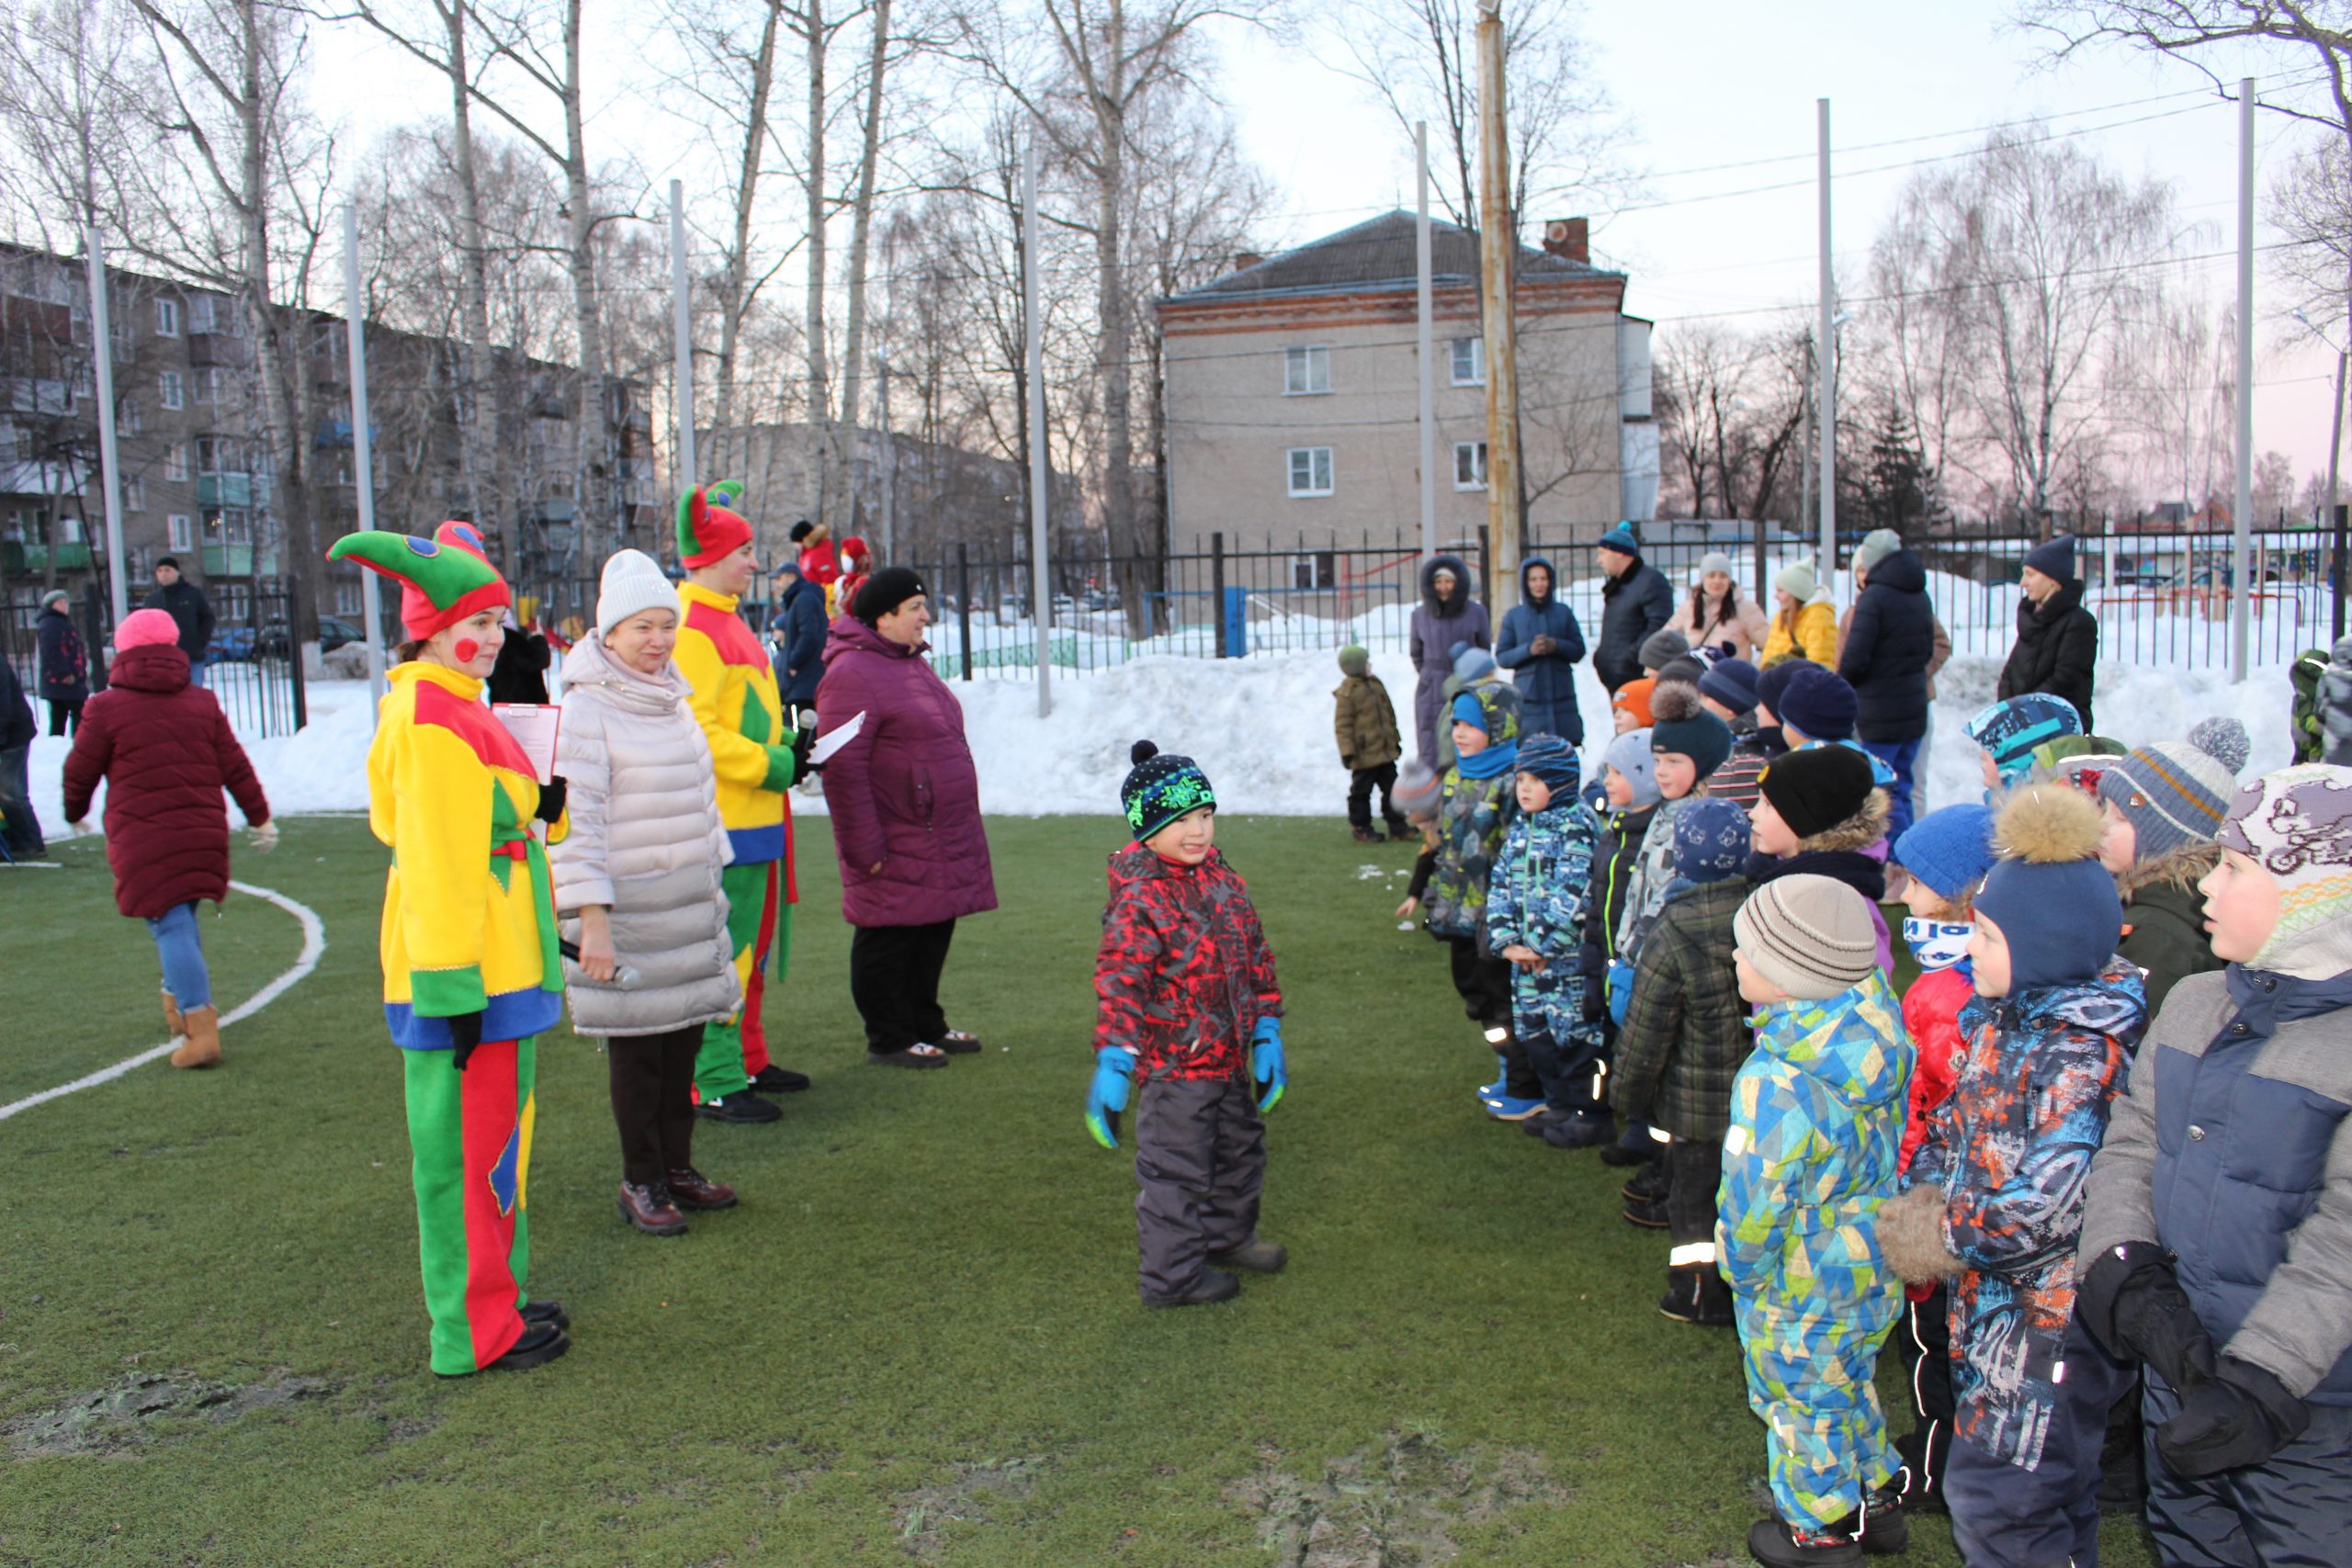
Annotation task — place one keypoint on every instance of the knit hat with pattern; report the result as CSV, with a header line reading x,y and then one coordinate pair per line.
x,y
2297,824
1710,839
1417,791
1161,787
2177,791
2012,728
1552,760
1810,935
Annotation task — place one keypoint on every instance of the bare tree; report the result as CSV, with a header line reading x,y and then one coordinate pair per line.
x,y
2173,387
1731,408
72,81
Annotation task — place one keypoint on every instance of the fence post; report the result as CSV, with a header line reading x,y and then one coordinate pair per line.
x,y
294,652
1486,544
2338,570
964,603
1216,588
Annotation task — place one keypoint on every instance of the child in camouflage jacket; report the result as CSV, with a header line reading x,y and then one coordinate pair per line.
x,y
1475,808
1535,923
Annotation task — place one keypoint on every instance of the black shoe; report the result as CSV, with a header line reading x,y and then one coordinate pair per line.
x,y
541,1343
1547,1117
1257,1255
1216,1286
1581,1130
1886,1531
1399,830
1696,1294
1775,1545
773,1079
741,1106
1649,1184
545,1311
1650,1216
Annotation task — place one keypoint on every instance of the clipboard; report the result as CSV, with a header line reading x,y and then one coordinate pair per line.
x,y
533,728
834,740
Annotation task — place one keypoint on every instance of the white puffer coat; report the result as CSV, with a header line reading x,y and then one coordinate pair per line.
x,y
647,842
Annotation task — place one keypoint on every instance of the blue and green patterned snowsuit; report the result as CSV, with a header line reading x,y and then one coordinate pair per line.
x,y
1816,1124
1535,897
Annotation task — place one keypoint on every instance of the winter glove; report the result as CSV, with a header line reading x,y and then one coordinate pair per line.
x,y
1115,1065
2241,1417
551,799
1266,1061
1595,972
2134,1307
1620,990
263,836
804,740
465,1033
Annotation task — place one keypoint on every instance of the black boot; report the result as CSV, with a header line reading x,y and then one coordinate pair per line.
x,y
1696,1294
1215,1285
1648,1184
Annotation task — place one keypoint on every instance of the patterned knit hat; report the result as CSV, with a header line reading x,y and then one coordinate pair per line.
x,y
1161,787
1630,755
443,580
2297,824
1552,760
1819,703
1710,839
2176,793
708,528
1633,697
2011,728
1417,791
1810,935
1681,727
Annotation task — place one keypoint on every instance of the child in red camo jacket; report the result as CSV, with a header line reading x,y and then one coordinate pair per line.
x,y
1188,1003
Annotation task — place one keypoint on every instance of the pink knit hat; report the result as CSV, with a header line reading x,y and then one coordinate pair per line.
x,y
141,627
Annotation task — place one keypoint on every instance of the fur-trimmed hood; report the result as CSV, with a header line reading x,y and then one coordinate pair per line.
x,y
1859,831
2180,870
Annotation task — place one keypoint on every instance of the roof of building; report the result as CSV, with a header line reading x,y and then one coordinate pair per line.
x,y
1380,252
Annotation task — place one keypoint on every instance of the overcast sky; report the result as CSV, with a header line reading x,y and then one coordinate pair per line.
x,y
1706,82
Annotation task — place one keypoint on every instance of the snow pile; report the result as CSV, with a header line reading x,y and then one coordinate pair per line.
x,y
1262,727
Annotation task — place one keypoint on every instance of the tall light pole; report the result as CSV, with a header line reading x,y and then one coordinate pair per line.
x,y
1498,248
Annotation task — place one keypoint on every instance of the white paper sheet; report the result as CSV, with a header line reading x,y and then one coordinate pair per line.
x,y
533,726
830,743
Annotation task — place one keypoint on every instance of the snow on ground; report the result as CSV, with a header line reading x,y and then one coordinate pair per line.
x,y
1262,727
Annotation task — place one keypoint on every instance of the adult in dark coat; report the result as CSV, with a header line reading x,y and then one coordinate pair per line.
x,y
2057,646
1636,600
1541,643
797,634
1889,646
190,611
19,829
905,800
65,664
1447,615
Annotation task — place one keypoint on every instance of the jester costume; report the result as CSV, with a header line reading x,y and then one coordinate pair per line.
x,y
742,715
468,947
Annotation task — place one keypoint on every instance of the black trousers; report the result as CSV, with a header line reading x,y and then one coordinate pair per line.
x,y
652,1079
894,978
2006,1517
1201,1162
1923,1337
1361,782
1484,982
64,717
1694,1168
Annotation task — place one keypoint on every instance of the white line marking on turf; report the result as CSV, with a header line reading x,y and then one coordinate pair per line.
x,y
314,943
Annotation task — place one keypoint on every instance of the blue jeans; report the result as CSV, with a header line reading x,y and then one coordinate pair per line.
x,y
196,672
177,945
1899,755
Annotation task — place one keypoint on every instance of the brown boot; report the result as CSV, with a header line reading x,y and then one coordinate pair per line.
x,y
202,1047
175,1025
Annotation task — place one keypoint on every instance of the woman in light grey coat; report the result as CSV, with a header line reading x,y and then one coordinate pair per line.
x,y
637,885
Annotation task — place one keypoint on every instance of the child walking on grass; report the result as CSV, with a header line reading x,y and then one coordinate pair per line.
x,y
1816,1123
1535,923
1365,723
1184,984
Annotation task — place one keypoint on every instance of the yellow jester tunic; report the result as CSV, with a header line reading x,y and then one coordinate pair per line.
x,y
736,701
468,913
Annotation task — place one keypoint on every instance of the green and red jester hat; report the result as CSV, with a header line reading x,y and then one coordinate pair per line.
x,y
443,580
707,527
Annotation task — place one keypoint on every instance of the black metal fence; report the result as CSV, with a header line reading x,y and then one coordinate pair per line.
x,y
253,667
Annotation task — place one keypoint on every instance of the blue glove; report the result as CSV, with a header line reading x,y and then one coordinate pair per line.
x,y
1620,990
1266,1060
1106,1096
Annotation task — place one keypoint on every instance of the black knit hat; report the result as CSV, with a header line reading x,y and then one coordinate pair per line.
x,y
884,591
802,529
1819,787
1159,788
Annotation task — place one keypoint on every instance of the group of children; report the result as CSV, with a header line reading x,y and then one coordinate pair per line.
x,y
1684,964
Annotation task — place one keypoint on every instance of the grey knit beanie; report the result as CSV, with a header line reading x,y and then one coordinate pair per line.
x,y
1662,644
2176,793
1876,546
1809,935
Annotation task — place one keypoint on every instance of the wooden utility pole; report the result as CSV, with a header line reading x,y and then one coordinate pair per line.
x,y
1498,246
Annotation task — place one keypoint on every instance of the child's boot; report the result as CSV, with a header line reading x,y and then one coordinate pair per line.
x,y
1365,835
1503,1078
1776,1544
175,1025
1215,1285
202,1046
1257,1255
1696,1294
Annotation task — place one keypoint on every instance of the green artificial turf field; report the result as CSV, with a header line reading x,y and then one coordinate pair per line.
x,y
917,1340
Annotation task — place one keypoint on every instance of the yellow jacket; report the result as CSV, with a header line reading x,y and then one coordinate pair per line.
x,y
469,911
1810,633
742,715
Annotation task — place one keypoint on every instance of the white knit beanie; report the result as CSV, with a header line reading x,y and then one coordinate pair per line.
x,y
632,581
1798,581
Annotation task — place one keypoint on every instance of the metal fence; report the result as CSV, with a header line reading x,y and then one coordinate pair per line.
x,y
253,667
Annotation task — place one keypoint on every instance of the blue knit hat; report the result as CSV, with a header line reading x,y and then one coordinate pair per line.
x,y
1467,709
1554,761
1161,787
1630,755
1710,839
1472,662
1732,682
1772,685
2054,559
1819,703
1950,849
2053,902
1622,539
2012,728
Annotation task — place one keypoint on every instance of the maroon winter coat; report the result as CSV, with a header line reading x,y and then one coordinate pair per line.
x,y
905,792
1183,973
165,753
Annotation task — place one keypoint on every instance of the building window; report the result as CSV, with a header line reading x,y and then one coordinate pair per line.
x,y
1305,370
1469,361
134,495
202,312
167,318
208,385
1469,465
175,461
174,392
179,533
1313,570
1310,470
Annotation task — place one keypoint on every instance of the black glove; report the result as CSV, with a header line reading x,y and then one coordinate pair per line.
x,y
2241,1416
2134,1307
551,799
465,1033
804,740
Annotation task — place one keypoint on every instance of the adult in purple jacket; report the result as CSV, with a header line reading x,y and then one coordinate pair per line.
x,y
905,801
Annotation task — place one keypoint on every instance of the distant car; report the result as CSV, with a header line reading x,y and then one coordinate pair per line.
x,y
333,631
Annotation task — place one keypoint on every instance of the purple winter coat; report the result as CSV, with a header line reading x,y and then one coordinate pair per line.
x,y
905,792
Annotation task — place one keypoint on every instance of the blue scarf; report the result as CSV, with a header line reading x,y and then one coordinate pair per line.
x,y
1494,761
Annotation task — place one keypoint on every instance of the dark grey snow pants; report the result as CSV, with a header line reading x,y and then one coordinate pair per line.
x,y
1200,1160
